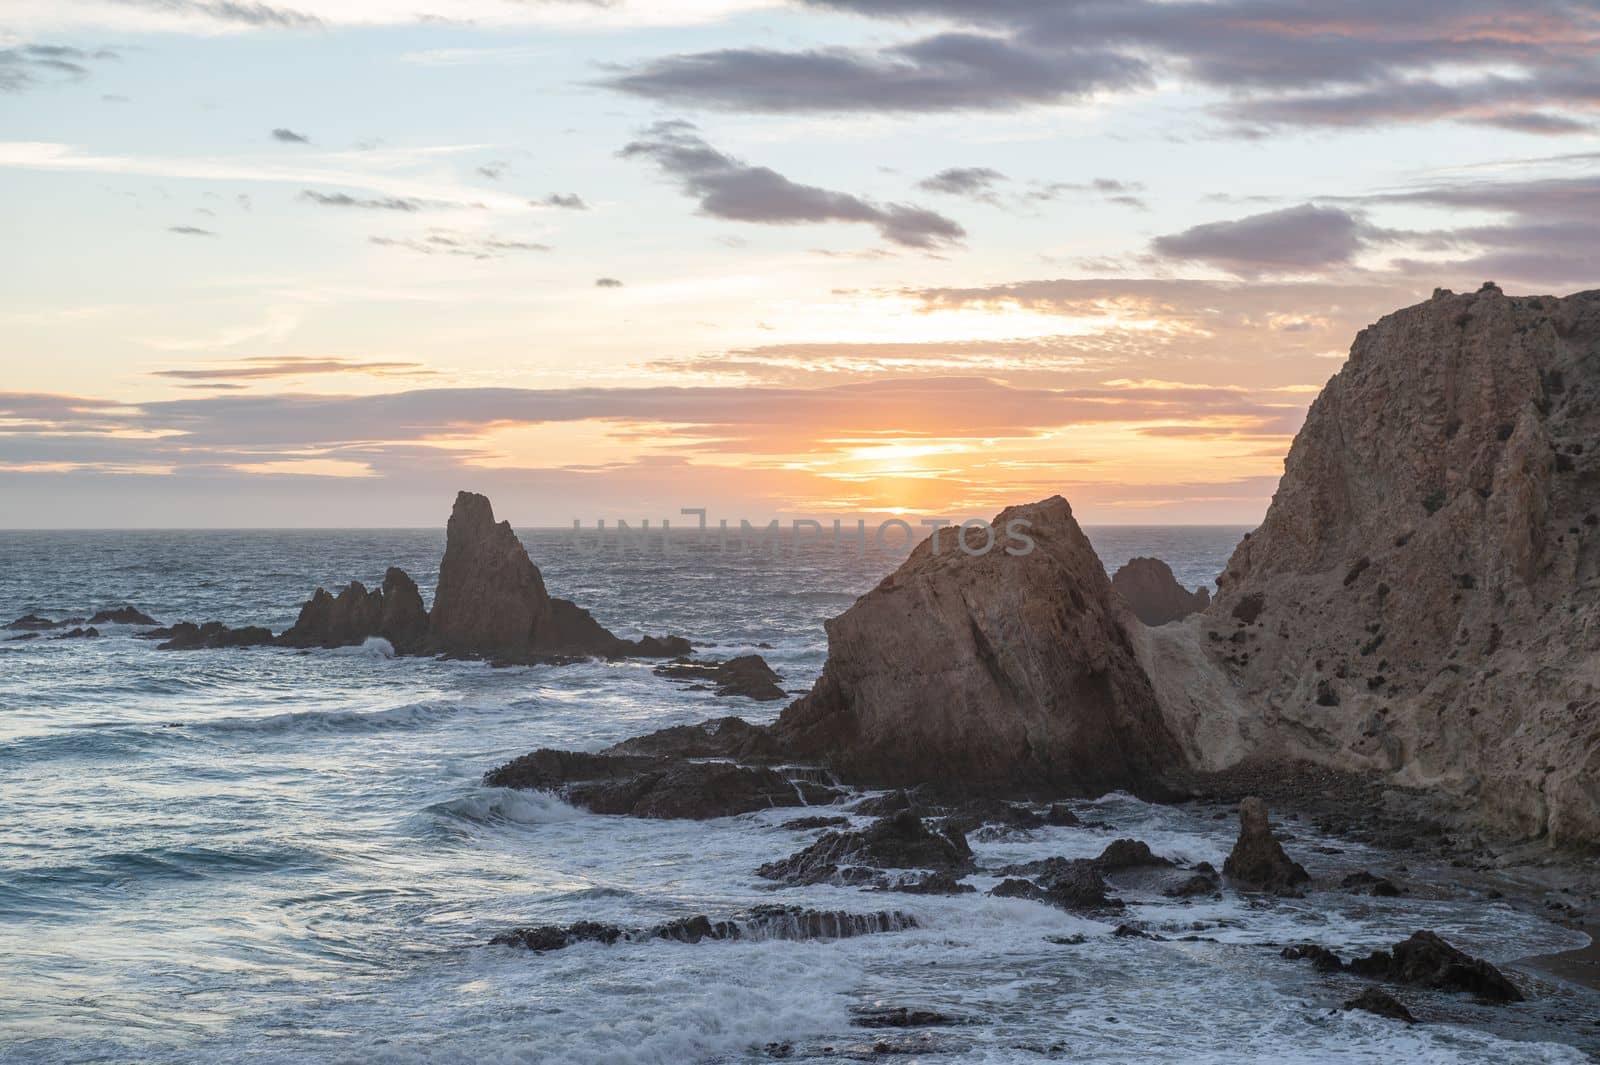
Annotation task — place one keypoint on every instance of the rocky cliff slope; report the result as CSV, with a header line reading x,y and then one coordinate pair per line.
x,y
1423,596
996,671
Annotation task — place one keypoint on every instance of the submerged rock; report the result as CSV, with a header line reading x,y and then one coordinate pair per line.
x,y
645,786
394,613
747,675
187,636
1381,1003
902,841
902,1017
1154,594
758,923
1258,861
990,672
123,615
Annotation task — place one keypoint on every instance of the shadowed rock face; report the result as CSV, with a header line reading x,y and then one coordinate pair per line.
x,y
1423,596
995,672
394,612
1155,594
491,599
1258,861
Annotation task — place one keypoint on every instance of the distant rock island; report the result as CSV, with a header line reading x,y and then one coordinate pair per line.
x,y
1420,607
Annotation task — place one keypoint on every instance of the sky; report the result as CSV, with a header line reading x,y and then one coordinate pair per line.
x,y
322,263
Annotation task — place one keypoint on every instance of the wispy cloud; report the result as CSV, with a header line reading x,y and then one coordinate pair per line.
x,y
289,136
268,367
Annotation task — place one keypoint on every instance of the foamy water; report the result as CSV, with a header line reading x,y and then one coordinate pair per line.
x,y
291,856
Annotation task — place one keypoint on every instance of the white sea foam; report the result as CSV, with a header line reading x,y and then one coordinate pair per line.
x,y
375,647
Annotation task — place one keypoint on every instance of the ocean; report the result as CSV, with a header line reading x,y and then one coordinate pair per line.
x,y
283,856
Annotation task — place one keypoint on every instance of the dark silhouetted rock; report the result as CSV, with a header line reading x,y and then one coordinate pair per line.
x,y
1128,854
940,883
995,673
123,615
644,786
213,635
394,613
724,737
90,633
1070,883
747,675
903,841
810,824
1321,958
1381,1003
902,1017
1366,883
758,923
1258,862
35,623
1427,960
1155,594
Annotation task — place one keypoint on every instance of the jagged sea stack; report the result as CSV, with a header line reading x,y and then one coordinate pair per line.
x,y
988,673
491,599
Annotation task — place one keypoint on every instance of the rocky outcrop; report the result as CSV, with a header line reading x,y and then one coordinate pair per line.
x,y
1154,594
35,623
1381,1003
759,923
187,636
1422,599
658,787
491,601
1258,861
748,676
123,615
988,672
1425,960
394,612
899,842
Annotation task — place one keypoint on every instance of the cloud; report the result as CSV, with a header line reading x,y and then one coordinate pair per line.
x,y
492,171
1299,239
1279,62
27,66
730,189
607,282
975,182
191,231
570,201
471,246
342,199
289,136
267,367
236,12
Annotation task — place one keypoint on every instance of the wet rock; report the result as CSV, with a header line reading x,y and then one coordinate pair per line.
x,y
726,737
1258,861
90,633
1008,817
807,824
35,623
1381,1003
1060,815
1154,593
1128,931
992,672
1321,958
1427,960
758,923
902,841
123,615
1194,886
1070,883
643,786
1128,854
1365,883
940,883
23,636
888,804
902,1017
747,675
393,612
187,636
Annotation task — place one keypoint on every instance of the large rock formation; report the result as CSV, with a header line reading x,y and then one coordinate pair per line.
x,y
988,672
491,600
1155,594
394,612
1423,596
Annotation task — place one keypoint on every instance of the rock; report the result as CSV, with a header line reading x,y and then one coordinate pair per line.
x,y
808,824
1258,862
725,737
902,1017
939,883
759,923
1427,960
1127,854
993,673
491,600
187,636
747,675
35,623
123,615
1061,816
995,814
1194,886
23,636
90,633
902,841
1128,931
1154,593
1366,883
1323,959
1429,529
1070,883
1381,1003
643,786
394,612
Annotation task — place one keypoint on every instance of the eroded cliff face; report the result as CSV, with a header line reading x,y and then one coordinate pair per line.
x,y
1423,596
994,672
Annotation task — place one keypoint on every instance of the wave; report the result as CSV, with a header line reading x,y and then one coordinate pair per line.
x,y
375,647
409,716
491,806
